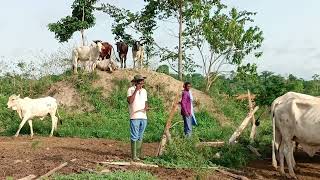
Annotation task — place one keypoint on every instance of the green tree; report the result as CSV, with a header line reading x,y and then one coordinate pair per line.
x,y
222,37
82,18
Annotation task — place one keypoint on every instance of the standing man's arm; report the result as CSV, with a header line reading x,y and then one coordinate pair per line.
x,y
146,107
131,97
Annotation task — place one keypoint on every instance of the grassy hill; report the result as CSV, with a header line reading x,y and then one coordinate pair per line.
x,y
94,106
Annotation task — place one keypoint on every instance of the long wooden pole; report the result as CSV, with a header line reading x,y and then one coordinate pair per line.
x,y
166,133
243,125
254,127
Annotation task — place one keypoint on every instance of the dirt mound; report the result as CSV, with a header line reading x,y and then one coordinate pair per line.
x,y
68,96
163,85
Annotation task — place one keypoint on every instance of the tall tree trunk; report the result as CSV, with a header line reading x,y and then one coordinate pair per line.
x,y
180,69
82,30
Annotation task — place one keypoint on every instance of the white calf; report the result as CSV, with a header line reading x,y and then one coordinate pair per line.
x,y
86,53
28,108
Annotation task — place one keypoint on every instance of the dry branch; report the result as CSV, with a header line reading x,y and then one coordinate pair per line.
x,y
129,164
211,144
30,177
55,169
254,127
166,133
232,175
243,125
254,150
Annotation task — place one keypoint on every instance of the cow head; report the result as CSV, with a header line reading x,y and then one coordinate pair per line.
x,y
98,44
118,44
13,101
136,45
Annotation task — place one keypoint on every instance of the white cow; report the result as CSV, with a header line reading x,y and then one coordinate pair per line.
x,y
296,117
86,53
28,108
137,54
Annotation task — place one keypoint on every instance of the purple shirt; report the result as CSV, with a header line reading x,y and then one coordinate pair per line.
x,y
185,103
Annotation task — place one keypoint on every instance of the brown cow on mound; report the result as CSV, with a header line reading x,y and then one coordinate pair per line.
x,y
122,49
106,52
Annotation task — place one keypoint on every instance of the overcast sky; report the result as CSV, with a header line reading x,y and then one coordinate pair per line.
x,y
291,30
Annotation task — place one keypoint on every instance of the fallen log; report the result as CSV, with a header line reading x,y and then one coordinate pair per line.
x,y
55,169
129,164
30,177
243,125
211,144
232,175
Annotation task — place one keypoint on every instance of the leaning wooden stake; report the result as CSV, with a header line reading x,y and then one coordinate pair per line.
x,y
166,133
55,169
254,150
243,125
254,127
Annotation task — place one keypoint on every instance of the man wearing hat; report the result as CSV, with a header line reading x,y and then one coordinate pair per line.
x,y
137,99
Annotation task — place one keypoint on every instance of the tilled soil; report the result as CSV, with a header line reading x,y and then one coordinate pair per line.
x,y
22,156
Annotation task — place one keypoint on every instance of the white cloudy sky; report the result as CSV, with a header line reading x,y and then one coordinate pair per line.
x,y
291,30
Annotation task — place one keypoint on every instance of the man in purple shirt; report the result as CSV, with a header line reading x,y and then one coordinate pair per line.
x,y
186,110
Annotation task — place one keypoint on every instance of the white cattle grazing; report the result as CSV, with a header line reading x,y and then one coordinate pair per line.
x,y
138,54
295,118
86,53
28,108
107,65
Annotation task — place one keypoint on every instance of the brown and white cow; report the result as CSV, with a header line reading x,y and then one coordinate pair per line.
x,y
138,54
296,118
122,49
106,51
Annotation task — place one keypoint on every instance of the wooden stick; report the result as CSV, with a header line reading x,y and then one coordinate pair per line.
x,y
129,164
254,150
232,175
176,124
166,133
243,125
30,177
55,169
211,144
254,127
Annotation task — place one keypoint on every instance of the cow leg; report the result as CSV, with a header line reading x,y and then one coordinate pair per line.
x,y
288,155
54,121
292,154
134,63
24,120
281,159
125,62
31,129
75,63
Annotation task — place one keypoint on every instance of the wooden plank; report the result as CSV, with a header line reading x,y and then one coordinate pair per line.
x,y
243,125
129,164
55,169
166,133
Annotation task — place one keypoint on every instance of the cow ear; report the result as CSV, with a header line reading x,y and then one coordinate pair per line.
x,y
18,95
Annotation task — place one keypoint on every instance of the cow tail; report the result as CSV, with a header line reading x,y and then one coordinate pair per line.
x,y
274,148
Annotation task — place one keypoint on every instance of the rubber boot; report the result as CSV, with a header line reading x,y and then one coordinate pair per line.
x,y
139,147
134,150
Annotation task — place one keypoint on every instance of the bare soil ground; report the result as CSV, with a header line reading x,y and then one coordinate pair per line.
x,y
20,157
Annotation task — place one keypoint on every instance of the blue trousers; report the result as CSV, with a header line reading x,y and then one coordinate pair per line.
x,y
187,121
137,127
